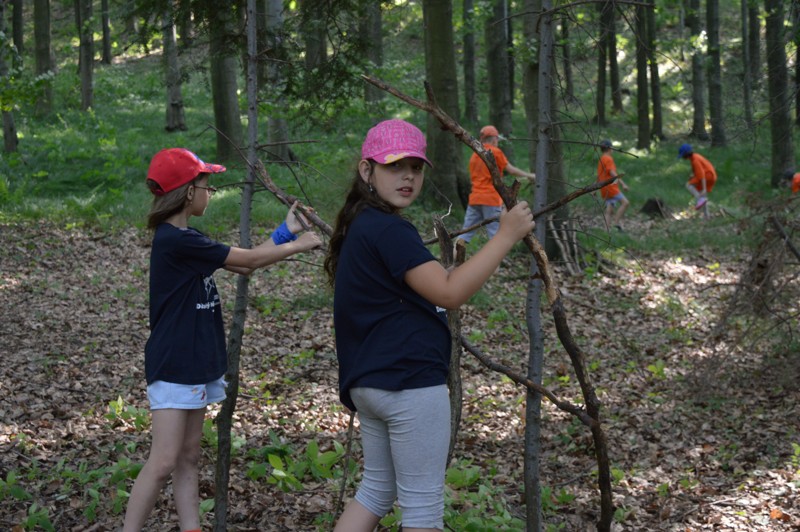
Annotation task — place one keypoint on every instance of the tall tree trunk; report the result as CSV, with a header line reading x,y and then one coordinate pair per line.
x,y
566,57
715,104
183,19
655,78
106,21
470,93
224,89
602,61
698,80
778,82
44,53
747,89
534,82
10,139
372,27
754,39
497,70
613,64
642,96
510,53
450,178
18,26
236,334
176,119
83,16
315,37
277,127
796,39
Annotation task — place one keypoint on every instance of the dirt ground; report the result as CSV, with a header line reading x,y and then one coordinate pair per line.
x,y
703,429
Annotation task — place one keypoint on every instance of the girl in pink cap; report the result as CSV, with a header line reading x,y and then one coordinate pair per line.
x,y
392,339
185,355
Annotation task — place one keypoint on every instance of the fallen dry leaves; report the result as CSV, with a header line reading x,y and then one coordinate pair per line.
x,y
700,431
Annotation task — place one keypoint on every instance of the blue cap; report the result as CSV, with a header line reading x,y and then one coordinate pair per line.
x,y
684,150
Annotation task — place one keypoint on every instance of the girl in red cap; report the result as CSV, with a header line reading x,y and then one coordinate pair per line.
x,y
392,337
185,356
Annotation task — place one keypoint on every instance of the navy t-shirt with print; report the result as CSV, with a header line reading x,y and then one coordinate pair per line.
x,y
387,336
187,336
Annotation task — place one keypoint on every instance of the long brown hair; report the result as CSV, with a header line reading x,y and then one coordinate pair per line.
x,y
360,195
166,205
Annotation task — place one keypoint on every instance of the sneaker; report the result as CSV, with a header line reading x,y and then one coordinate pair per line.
x,y
619,228
700,202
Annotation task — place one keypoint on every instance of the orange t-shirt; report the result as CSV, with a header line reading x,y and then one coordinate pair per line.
x,y
605,166
483,191
702,168
796,183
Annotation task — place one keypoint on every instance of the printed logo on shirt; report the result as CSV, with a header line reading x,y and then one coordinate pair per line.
x,y
441,309
210,287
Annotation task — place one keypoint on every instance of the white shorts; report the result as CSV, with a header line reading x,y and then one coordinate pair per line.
x,y
162,394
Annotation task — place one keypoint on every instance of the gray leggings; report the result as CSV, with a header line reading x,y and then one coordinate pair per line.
x,y
405,436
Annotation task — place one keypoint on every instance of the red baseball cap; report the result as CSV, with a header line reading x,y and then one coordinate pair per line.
x,y
174,167
489,131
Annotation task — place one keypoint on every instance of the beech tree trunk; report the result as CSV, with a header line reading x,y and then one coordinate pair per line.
x,y
43,53
613,64
602,60
176,119
778,83
277,127
372,27
655,78
642,96
497,58
754,39
470,96
450,178
715,103
18,26
698,79
747,90
83,17
224,88
10,138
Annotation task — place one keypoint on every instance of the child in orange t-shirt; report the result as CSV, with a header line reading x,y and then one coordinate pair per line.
x,y
484,201
792,180
703,177
606,169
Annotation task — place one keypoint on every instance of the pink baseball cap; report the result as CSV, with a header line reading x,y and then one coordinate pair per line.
x,y
174,167
392,140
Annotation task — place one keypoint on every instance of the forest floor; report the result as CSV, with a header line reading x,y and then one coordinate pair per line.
x,y
703,422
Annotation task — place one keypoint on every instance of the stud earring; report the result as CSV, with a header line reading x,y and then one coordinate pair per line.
x,y
370,187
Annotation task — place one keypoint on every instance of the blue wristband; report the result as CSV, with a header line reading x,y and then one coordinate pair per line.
x,y
281,235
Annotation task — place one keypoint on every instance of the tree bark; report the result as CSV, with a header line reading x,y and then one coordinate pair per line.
x,y
497,71
18,26
10,138
778,82
642,96
176,119
236,334
602,60
698,80
106,22
372,28
566,62
224,90
613,64
450,178
83,17
754,39
715,103
277,127
470,96
315,36
655,78
747,90
44,53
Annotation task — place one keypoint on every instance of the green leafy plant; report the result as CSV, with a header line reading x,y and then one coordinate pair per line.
x,y
120,413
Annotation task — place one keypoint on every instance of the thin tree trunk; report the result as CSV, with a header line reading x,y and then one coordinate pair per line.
x,y
236,334
497,70
566,56
510,53
602,60
642,96
754,39
18,26
715,103
85,51
470,97
176,119
655,78
106,21
44,53
315,37
277,127
10,139
778,82
372,27
795,16
613,64
747,90
698,80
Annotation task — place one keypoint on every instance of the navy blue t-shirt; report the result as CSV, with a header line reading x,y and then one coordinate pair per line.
x,y
187,336
387,335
